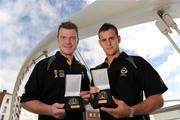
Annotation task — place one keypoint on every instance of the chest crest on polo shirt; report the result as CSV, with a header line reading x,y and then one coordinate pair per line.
x,y
58,73
123,71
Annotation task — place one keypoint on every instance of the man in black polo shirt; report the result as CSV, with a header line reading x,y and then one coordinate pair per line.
x,y
130,77
45,89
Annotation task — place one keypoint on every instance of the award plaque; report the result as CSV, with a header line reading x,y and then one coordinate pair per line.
x,y
73,100
103,98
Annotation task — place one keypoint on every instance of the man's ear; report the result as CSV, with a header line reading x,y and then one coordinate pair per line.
x,y
78,40
99,42
119,38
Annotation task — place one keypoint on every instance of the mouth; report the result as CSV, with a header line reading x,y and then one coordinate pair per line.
x,y
67,46
109,48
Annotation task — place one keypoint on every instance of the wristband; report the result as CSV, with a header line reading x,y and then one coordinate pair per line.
x,y
131,114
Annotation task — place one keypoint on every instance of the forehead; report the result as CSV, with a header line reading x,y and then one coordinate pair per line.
x,y
65,31
107,33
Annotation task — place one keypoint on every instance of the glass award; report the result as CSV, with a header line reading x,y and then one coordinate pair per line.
x,y
73,101
103,98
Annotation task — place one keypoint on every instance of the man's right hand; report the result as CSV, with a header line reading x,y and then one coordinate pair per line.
x,y
57,110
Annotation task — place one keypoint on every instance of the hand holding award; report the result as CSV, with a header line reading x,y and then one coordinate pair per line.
x,y
103,97
73,100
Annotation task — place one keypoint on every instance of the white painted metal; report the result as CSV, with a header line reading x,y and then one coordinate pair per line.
x,y
168,113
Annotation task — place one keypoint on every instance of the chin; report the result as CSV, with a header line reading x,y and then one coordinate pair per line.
x,y
110,53
68,51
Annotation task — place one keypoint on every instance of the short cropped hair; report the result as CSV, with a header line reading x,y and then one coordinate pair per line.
x,y
107,26
67,25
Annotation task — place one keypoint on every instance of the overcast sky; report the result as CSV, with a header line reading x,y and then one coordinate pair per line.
x,y
23,23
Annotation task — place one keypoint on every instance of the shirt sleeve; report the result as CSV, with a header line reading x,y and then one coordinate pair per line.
x,y
150,80
32,91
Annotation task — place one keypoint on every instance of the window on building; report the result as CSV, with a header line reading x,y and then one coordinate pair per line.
x,y
90,114
2,117
7,101
94,114
5,108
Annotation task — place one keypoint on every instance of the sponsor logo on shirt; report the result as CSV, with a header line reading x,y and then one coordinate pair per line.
x,y
123,71
58,73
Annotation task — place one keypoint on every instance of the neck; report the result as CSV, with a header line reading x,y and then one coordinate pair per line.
x,y
110,58
67,56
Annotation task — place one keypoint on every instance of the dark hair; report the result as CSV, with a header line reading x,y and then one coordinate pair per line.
x,y
67,25
107,26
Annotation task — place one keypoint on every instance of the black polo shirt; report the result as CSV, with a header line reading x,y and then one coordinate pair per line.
x,y
129,79
47,83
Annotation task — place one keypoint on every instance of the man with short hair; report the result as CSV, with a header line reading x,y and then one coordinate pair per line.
x,y
45,89
129,78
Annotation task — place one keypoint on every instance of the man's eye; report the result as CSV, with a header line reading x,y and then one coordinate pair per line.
x,y
73,38
103,40
111,38
62,37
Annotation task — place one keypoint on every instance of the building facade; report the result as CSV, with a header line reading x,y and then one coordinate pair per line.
x,y
5,102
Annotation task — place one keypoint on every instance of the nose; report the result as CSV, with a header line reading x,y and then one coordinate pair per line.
x,y
108,41
68,40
